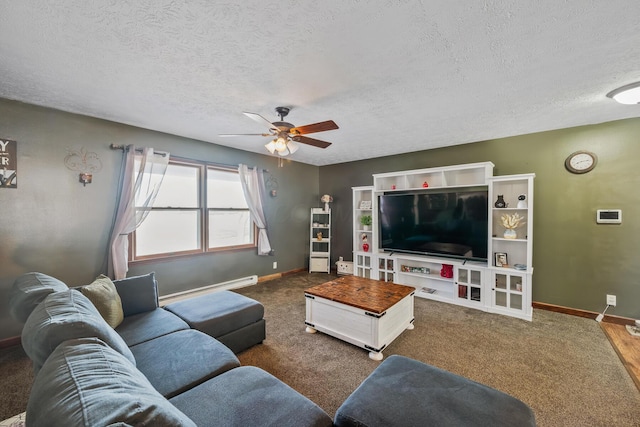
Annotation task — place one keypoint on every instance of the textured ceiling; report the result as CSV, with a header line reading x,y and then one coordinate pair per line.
x,y
396,76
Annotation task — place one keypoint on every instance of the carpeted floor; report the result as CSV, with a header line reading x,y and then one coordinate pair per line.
x,y
560,365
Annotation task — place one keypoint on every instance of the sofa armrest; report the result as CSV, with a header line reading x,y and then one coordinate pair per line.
x,y
139,294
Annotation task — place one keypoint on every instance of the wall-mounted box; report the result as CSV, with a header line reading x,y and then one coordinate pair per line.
x,y
609,216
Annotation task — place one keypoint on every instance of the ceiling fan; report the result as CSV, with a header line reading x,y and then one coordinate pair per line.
x,y
287,135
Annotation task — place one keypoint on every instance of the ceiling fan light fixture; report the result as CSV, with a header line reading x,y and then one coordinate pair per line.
x,y
628,94
281,144
292,146
271,146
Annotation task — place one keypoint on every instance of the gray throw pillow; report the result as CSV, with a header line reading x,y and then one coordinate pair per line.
x,y
138,294
63,316
86,383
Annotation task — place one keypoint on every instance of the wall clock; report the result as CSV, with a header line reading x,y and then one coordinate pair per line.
x,y
581,162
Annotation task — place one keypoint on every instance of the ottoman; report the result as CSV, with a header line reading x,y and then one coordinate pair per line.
x,y
405,392
233,319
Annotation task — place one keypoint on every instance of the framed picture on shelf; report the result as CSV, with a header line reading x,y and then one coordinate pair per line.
x,y
501,259
365,204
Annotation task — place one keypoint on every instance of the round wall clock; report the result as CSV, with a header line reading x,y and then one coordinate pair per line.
x,y
581,162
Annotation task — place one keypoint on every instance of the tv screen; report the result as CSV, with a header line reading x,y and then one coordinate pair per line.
x,y
450,223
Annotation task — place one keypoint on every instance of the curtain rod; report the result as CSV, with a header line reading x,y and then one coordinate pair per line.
x,y
138,150
162,153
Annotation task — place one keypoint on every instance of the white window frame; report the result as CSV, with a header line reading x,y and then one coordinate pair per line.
x,y
203,213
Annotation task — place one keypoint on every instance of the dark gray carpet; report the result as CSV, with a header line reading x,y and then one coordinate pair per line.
x,y
560,365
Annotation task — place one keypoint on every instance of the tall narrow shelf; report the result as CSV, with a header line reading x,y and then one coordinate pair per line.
x,y
511,283
363,261
320,241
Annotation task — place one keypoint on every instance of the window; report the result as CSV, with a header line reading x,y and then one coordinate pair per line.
x,y
199,208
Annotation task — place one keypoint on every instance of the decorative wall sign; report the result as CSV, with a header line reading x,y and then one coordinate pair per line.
x,y
8,164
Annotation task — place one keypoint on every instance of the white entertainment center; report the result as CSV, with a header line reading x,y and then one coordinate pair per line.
x,y
485,286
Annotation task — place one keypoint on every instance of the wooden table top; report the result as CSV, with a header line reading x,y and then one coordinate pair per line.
x,y
366,294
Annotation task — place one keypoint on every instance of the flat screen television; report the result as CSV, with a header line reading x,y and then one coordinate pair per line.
x,y
449,223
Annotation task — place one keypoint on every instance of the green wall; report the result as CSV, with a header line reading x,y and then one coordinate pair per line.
x,y
576,261
52,224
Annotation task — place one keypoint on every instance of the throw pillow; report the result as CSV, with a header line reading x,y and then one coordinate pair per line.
x,y
103,294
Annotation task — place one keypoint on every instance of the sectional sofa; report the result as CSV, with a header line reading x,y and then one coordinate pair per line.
x,y
151,369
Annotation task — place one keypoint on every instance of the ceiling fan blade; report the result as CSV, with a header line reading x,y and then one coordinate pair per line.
x,y
315,127
244,134
258,118
311,141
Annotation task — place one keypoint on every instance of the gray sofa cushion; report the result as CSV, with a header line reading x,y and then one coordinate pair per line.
x,y
138,294
249,396
28,291
181,360
86,383
63,316
406,392
218,313
149,325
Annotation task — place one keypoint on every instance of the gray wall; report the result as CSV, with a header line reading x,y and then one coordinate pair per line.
x,y
576,261
52,224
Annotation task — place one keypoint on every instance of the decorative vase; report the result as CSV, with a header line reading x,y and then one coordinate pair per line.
x,y
326,207
510,233
522,203
500,202
446,271
365,247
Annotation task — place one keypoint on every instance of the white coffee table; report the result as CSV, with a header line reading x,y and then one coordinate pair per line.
x,y
364,312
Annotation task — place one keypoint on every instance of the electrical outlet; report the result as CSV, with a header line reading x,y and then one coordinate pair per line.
x,y
611,300
275,265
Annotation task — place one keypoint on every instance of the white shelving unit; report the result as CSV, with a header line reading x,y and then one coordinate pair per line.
x,y
320,241
511,286
479,285
363,264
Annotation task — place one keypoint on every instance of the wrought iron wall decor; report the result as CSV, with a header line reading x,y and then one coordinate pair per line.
x,y
83,161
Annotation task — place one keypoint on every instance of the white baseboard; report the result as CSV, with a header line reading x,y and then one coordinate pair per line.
x,y
203,290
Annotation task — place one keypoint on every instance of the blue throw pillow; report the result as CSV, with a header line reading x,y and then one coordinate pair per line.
x,y
138,294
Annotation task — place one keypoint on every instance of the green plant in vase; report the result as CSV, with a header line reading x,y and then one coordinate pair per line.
x,y
365,220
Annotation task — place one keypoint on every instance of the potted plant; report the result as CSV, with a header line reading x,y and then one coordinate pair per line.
x,y
365,220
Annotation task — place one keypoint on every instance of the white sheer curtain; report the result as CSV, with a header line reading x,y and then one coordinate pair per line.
x,y
138,188
252,186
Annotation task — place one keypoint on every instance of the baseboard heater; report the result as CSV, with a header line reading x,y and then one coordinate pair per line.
x,y
230,284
